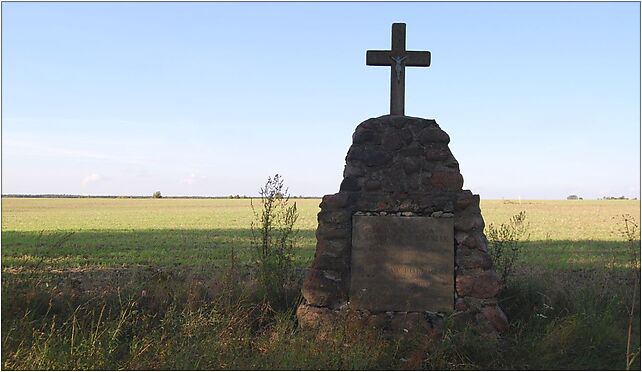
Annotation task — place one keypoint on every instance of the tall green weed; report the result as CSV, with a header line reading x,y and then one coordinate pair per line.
x,y
505,242
273,239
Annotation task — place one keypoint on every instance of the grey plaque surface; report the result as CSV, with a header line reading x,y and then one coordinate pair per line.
x,y
402,263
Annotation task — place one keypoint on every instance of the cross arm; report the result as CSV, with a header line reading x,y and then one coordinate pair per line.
x,y
382,58
378,58
418,59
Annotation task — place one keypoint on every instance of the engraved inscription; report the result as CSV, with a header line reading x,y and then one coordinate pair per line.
x,y
402,263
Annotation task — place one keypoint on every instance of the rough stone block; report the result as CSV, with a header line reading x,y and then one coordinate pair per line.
x,y
426,180
430,123
486,284
469,222
482,242
475,240
340,217
412,151
407,205
393,179
473,259
466,199
471,241
372,123
323,261
372,184
406,136
377,158
374,202
366,136
432,201
356,152
436,152
452,163
413,182
410,166
447,180
350,184
335,201
331,232
460,236
496,317
323,288
353,170
392,142
336,247
433,135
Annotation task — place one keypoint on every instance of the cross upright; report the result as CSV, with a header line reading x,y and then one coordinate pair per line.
x,y
397,58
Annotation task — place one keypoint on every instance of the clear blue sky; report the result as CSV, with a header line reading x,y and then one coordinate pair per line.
x,y
541,100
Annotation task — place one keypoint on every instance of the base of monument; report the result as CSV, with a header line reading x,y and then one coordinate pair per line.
x,y
488,321
402,233
390,322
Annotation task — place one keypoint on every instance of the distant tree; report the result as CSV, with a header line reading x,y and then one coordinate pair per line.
x,y
156,195
572,197
616,198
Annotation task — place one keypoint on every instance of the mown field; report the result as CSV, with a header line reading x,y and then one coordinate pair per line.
x,y
146,284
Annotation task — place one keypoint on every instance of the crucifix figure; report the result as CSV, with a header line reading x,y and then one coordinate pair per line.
x,y
398,57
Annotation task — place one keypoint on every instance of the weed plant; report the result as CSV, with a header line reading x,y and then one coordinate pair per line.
x,y
505,242
630,231
273,239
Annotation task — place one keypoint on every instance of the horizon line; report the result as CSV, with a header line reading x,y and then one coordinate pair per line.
x,y
237,196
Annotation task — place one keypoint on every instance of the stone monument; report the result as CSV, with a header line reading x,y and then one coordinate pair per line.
x,y
401,245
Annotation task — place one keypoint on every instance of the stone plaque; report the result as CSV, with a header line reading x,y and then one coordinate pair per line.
x,y
402,264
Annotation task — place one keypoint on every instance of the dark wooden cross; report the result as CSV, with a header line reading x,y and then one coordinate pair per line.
x,y
397,58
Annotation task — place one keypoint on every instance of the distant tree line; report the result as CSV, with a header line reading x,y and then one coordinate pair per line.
x,y
575,197
237,196
71,196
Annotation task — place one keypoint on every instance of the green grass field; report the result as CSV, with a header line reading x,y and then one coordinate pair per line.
x,y
140,284
201,232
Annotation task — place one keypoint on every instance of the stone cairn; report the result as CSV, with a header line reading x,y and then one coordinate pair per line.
x,y
400,165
